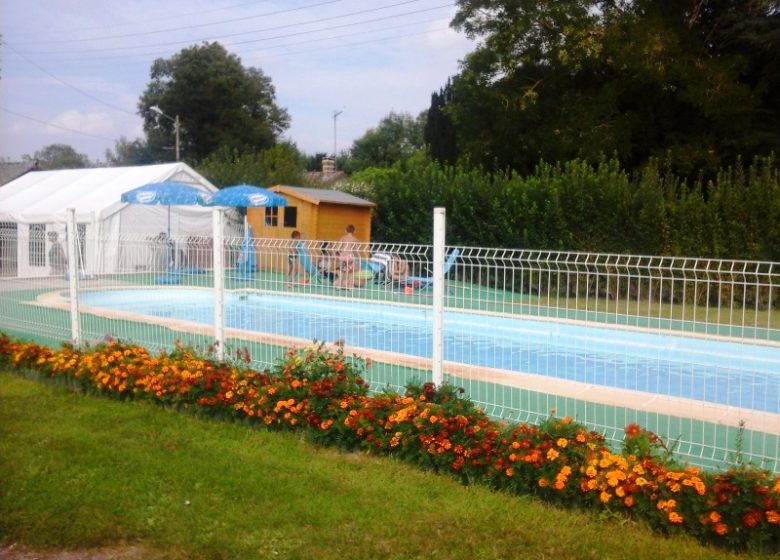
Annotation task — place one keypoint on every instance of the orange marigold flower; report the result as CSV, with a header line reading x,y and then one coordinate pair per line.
x,y
605,497
632,430
715,517
591,472
552,454
562,442
751,519
628,501
559,484
580,437
675,518
773,517
510,472
544,483
721,529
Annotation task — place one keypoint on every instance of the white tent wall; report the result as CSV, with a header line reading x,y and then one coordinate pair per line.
x,y
37,201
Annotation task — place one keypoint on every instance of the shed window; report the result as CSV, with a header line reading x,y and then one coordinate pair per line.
x,y
272,216
36,247
291,216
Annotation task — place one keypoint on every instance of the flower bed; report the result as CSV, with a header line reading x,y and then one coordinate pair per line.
x,y
322,392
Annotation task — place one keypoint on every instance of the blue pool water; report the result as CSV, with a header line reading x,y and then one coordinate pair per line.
x,y
742,375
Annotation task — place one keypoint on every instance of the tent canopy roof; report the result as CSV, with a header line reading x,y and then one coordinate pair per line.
x,y
44,196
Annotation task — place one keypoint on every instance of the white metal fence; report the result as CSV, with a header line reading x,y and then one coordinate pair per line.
x,y
687,347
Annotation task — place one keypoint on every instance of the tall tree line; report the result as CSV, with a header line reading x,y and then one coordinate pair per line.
x,y
696,81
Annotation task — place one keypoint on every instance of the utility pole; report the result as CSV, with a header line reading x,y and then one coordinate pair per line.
x,y
156,109
335,153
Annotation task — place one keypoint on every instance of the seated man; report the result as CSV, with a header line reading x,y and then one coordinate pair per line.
x,y
380,265
398,270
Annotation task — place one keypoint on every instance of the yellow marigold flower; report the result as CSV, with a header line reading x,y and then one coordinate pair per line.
x,y
562,442
640,481
614,477
229,394
591,472
638,469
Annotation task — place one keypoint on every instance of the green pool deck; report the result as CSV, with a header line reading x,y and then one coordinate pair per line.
x,y
710,444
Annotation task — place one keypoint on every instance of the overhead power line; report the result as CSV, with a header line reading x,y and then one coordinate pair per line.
x,y
275,28
71,86
74,131
194,26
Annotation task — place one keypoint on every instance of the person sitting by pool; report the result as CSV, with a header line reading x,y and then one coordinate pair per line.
x,y
398,270
325,264
292,259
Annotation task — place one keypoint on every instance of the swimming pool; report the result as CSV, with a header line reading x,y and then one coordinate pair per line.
x,y
722,372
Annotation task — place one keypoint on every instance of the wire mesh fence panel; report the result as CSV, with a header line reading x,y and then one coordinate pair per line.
x,y
687,347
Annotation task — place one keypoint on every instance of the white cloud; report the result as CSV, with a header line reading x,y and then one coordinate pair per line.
x,y
98,123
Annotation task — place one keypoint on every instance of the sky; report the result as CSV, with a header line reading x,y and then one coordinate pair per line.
x,y
72,71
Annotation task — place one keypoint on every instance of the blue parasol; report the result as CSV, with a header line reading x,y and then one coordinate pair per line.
x,y
167,193
243,196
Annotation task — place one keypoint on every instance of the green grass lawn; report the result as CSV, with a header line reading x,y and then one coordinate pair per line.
x,y
80,472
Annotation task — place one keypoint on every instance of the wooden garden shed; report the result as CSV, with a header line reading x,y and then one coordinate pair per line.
x,y
319,214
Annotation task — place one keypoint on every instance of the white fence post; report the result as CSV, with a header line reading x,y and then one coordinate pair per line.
x,y
219,283
73,276
439,232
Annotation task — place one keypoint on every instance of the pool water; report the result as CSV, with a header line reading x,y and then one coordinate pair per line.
x,y
729,373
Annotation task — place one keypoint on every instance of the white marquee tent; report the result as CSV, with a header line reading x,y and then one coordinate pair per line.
x,y
35,204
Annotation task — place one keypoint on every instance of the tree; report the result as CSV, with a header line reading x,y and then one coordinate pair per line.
x,y
574,79
397,136
281,164
58,156
126,152
439,131
219,103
